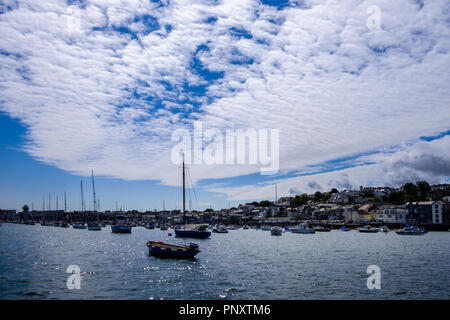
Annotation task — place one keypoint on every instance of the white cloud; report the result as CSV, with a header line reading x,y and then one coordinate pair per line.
x,y
92,97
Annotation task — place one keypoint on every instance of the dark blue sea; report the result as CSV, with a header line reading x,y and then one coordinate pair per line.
x,y
243,264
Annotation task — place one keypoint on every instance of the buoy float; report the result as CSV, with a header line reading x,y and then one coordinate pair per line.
x,y
170,234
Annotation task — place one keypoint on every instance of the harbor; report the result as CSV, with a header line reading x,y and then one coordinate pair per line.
x,y
241,264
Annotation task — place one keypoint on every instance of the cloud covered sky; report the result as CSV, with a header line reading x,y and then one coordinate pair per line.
x,y
103,84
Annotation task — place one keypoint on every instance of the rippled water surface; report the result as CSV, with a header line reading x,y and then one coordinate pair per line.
x,y
243,264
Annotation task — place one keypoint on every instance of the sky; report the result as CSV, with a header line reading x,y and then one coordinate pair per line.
x,y
103,85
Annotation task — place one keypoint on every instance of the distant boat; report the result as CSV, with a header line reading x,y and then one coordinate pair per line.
x,y
368,229
345,229
121,225
322,229
220,229
150,226
64,224
412,231
94,227
79,225
198,231
276,231
384,229
166,250
302,229
246,227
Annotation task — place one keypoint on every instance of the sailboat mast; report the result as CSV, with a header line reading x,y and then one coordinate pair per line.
x,y
43,208
93,190
82,197
184,196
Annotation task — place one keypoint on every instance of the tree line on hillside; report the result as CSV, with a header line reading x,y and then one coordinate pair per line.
x,y
409,192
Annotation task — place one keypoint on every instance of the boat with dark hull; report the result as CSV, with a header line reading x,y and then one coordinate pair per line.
x,y
412,231
121,225
94,227
368,229
166,250
197,231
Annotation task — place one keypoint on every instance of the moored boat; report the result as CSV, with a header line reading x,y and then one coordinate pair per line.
x,y
121,224
322,229
302,229
150,226
94,227
198,231
220,229
368,229
276,231
79,225
413,231
166,250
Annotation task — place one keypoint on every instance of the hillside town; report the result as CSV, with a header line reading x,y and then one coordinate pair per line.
x,y
415,204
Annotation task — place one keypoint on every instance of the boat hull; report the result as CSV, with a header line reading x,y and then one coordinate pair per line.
x,y
303,231
410,233
120,229
161,253
192,234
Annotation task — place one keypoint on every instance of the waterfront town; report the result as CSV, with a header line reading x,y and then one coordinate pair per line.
x,y
415,204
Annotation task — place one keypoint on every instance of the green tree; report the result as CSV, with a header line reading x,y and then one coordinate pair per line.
x,y
300,200
411,192
318,196
334,190
396,197
265,203
424,189
25,208
326,196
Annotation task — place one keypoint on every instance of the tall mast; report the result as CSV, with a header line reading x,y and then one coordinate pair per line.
x,y
276,196
56,203
93,190
43,208
82,197
65,202
184,196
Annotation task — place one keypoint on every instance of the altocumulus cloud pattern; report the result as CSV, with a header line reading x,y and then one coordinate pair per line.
x,y
103,84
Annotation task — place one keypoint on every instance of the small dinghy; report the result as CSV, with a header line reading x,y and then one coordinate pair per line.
x,y
368,229
166,250
276,231
220,229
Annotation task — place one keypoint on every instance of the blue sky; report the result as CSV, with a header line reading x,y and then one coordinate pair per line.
x,y
95,85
